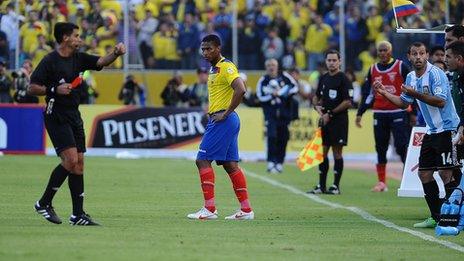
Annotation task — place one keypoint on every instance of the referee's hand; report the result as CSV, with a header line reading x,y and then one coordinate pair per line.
x,y
64,89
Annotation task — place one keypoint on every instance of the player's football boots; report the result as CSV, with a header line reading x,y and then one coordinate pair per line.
x,y
203,213
380,187
241,215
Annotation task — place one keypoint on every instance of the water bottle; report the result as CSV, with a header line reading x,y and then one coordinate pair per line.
x,y
445,208
446,231
454,208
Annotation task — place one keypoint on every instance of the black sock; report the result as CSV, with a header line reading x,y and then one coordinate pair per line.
x,y
76,187
338,171
58,176
432,197
323,169
449,188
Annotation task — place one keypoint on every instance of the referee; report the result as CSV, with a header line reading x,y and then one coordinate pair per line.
x,y
332,101
53,77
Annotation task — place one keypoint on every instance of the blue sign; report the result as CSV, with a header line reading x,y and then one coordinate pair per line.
x,y
22,129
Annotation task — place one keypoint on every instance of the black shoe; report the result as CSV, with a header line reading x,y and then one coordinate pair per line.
x,y
333,190
82,220
317,190
47,212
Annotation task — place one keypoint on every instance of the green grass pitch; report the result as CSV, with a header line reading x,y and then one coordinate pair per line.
x,y
142,205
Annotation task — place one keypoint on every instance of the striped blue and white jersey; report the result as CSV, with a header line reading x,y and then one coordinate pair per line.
x,y
433,82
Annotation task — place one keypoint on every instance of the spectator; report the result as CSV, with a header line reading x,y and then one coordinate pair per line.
x,y
142,9
41,48
261,20
107,34
4,50
272,47
30,30
351,76
181,8
9,22
146,28
281,24
317,42
187,43
197,93
223,25
248,51
5,85
95,18
356,32
374,23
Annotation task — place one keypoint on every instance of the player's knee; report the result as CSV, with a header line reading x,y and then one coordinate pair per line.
x,y
201,164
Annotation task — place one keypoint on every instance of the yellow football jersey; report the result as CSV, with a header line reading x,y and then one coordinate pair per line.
x,y
220,90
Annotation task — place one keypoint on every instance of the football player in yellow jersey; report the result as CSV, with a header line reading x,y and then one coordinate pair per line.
x,y
220,141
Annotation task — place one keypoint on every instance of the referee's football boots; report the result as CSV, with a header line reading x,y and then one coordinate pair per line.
x,y
317,190
82,220
48,212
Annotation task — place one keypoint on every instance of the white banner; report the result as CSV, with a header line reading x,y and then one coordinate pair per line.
x,y
410,183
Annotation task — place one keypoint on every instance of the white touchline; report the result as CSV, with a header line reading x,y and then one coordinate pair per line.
x,y
365,215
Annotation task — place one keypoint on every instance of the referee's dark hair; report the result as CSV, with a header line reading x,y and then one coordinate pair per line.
x,y
457,48
332,51
418,44
212,38
456,30
62,29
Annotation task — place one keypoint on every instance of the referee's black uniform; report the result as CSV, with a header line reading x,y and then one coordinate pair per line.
x,y
62,118
58,76
332,90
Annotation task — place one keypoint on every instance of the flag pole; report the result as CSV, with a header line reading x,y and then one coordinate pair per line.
x,y
394,13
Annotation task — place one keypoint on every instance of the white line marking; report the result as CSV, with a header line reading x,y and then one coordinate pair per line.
x,y
365,215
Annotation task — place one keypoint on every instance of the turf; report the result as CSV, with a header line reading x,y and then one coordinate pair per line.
x,y
142,205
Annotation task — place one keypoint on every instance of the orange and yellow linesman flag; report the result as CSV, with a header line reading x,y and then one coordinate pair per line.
x,y
312,154
404,8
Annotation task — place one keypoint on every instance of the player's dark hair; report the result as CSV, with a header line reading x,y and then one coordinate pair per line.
x,y
436,48
456,30
457,48
212,38
62,29
417,44
440,62
332,51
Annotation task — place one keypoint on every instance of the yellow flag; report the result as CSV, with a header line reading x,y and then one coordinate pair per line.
x,y
312,153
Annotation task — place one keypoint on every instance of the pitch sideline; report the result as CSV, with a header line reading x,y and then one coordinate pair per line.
x,y
365,215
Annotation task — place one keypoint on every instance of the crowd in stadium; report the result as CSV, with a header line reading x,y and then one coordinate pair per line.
x,y
165,34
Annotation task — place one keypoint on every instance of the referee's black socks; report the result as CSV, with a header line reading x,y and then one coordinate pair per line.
x,y
432,197
338,171
58,176
76,187
323,169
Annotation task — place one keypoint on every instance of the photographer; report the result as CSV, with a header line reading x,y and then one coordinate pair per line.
x,y
5,85
128,91
21,81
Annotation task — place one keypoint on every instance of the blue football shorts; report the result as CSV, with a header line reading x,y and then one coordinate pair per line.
x,y
220,141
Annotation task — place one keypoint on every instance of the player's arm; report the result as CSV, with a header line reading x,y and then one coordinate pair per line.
x,y
239,91
108,59
367,98
399,101
432,100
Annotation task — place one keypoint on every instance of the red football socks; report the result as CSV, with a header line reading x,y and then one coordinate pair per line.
x,y
381,173
207,185
240,188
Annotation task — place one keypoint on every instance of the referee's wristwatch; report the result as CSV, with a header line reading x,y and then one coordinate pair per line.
x,y
330,113
51,90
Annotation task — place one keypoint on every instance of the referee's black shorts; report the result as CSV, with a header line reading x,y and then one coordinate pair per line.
x,y
66,130
336,131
